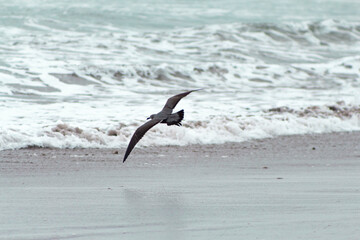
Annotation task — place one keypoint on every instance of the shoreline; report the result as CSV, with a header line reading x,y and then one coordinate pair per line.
x,y
310,146
298,187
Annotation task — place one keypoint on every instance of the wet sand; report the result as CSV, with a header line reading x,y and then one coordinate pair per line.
x,y
290,187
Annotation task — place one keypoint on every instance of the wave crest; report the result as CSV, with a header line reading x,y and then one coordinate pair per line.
x,y
216,129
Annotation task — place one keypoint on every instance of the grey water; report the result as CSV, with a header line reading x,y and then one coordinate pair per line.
x,y
272,67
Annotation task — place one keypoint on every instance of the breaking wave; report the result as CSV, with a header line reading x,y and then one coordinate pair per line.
x,y
92,88
215,130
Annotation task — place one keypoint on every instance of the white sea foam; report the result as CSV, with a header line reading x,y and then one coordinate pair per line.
x,y
213,130
91,86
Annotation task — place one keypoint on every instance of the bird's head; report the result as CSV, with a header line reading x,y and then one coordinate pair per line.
x,y
151,117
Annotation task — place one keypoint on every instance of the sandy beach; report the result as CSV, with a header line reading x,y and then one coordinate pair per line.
x,y
290,187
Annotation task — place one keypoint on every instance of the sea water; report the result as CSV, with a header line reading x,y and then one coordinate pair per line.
x,y
88,73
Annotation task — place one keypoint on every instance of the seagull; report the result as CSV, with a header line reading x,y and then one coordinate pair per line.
x,y
164,116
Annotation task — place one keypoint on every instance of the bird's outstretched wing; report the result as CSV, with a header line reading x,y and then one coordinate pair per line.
x,y
171,102
139,133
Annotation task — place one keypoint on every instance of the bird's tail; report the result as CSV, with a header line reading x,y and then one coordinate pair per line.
x,y
175,118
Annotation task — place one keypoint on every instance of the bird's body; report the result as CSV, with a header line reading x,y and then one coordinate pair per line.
x,y
164,116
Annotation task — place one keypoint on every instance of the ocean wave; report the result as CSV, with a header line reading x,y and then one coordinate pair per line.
x,y
95,82
322,54
98,82
214,130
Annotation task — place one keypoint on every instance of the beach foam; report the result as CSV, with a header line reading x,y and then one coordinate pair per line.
x,y
214,130
69,73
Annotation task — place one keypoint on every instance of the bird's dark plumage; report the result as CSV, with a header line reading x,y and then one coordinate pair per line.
x,y
173,101
175,118
164,116
139,133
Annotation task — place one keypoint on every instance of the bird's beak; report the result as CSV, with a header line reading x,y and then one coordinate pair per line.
x,y
148,118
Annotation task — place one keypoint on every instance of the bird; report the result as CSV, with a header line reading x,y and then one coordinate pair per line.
x,y
164,116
